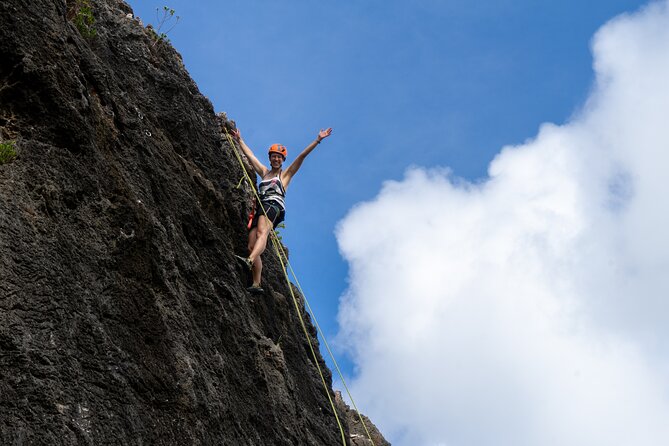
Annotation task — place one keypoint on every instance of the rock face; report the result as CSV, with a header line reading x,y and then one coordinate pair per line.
x,y
360,434
124,318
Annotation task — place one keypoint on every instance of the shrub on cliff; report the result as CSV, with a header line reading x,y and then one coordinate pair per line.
x,y
81,14
7,151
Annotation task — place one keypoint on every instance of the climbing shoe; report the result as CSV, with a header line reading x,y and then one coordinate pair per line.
x,y
246,261
255,289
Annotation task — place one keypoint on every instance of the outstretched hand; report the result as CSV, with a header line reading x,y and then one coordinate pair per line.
x,y
237,135
324,134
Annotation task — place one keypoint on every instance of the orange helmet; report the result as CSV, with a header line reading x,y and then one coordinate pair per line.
x,y
278,148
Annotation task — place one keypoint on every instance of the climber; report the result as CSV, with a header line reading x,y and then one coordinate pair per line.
x,y
272,192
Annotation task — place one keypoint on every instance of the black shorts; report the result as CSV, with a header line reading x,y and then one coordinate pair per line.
x,y
275,214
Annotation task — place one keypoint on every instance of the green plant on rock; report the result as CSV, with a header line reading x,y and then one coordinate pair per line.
x,y
167,20
7,151
81,14
278,233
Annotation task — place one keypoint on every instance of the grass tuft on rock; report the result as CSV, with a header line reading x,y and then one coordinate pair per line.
x,y
7,152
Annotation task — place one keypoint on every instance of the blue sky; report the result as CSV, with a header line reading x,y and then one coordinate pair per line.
x,y
431,83
438,83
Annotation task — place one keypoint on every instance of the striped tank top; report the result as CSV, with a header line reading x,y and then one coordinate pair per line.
x,y
271,191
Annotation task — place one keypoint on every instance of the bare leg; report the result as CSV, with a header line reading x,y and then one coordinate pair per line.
x,y
253,236
259,244
256,271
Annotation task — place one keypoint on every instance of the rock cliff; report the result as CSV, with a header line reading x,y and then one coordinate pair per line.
x,y
124,318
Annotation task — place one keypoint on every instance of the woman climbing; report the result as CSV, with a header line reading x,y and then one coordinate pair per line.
x,y
272,191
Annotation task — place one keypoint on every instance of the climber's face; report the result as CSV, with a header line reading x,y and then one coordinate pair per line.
x,y
276,160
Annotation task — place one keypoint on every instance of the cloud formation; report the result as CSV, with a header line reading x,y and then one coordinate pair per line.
x,y
532,308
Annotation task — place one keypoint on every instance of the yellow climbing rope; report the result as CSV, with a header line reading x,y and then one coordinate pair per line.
x,y
282,256
334,361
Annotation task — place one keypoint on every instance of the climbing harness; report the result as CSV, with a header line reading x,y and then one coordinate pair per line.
x,y
282,255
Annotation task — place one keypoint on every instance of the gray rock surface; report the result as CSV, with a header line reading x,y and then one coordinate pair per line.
x,y
124,319
361,432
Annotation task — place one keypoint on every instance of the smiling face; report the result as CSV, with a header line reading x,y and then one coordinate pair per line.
x,y
275,160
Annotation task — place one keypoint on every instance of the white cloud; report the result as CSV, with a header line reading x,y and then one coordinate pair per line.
x,y
532,309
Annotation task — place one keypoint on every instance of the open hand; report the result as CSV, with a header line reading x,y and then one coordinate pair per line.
x,y
324,133
237,135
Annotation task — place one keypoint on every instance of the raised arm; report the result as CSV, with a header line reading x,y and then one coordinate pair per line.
x,y
288,174
257,165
